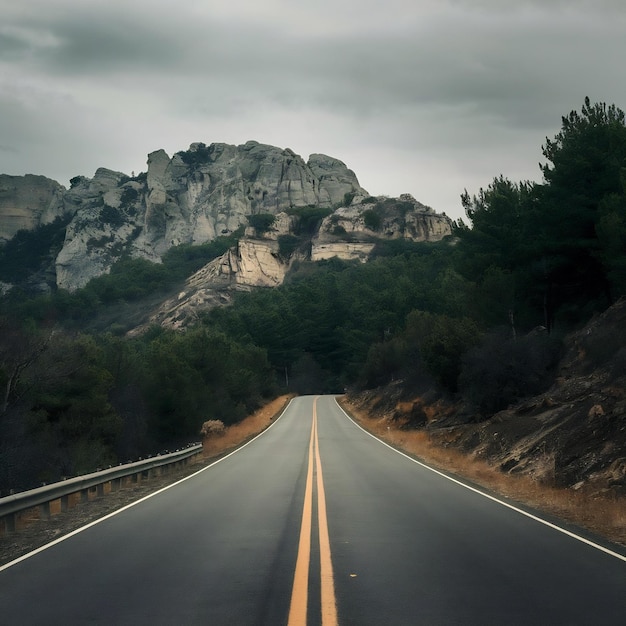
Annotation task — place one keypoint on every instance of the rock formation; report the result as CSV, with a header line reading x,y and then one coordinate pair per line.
x,y
191,197
349,233
207,191
27,202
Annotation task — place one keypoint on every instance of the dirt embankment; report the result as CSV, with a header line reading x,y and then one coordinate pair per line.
x,y
563,451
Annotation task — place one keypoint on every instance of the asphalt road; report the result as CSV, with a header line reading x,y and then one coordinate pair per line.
x,y
315,520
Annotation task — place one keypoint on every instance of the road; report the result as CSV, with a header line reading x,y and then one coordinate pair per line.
x,y
316,522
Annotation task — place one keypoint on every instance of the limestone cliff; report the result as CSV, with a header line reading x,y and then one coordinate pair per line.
x,y
351,232
191,197
262,260
27,202
287,208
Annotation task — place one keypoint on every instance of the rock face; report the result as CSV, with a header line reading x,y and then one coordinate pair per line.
x,y
27,202
192,197
288,209
261,259
253,263
350,232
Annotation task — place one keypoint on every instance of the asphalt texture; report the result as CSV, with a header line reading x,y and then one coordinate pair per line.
x,y
408,546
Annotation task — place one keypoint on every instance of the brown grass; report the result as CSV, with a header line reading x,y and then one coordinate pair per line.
x,y
603,514
237,434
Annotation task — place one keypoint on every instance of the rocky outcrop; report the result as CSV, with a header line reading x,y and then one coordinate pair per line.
x,y
349,233
27,202
104,223
192,197
344,250
270,194
253,263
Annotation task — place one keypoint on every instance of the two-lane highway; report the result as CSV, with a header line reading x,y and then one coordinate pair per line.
x,y
316,522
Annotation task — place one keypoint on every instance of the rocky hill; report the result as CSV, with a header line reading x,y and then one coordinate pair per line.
x,y
272,194
572,436
264,256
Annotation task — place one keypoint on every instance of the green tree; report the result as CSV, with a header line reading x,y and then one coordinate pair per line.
x,y
440,342
497,254
611,231
584,170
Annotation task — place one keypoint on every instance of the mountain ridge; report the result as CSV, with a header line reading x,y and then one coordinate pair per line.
x,y
286,208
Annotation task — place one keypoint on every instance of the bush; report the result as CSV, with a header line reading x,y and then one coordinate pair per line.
x,y
261,222
129,196
310,218
372,219
348,198
194,158
502,370
287,245
109,215
211,428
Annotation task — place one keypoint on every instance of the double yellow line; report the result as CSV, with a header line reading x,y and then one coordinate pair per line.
x,y
299,594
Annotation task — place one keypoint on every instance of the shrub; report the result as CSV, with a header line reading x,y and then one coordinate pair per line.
x,y
129,195
261,222
193,158
74,182
502,370
310,218
372,219
287,245
211,428
109,215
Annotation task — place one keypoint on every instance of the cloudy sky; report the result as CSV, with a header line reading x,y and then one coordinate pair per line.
x,y
426,97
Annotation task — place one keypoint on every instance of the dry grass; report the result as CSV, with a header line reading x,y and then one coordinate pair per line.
x,y
237,434
601,513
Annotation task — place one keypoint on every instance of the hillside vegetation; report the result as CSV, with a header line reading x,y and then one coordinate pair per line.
x,y
477,319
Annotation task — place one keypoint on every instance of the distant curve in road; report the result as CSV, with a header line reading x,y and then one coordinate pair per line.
x,y
317,522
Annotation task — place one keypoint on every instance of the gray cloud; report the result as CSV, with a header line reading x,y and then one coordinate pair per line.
x,y
439,94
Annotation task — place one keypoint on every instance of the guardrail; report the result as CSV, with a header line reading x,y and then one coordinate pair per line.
x,y
42,497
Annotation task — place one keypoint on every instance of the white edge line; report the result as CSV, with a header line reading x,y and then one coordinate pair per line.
x,y
132,504
597,546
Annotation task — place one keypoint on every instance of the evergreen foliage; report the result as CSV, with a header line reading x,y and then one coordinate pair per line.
x,y
201,154
262,222
129,280
309,218
561,243
28,250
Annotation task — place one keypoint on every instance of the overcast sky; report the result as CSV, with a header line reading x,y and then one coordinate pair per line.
x,y
426,97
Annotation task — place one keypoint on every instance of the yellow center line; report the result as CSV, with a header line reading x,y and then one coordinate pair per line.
x,y
300,590
329,603
299,593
